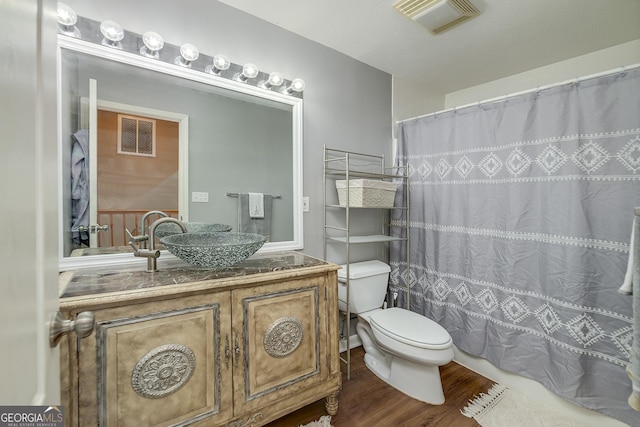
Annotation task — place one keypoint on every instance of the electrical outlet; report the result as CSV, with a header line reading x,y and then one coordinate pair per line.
x,y
199,197
305,204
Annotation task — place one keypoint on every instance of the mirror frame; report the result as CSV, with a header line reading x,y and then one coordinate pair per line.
x,y
296,103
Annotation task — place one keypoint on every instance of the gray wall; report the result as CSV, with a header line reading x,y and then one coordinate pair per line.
x,y
347,104
228,149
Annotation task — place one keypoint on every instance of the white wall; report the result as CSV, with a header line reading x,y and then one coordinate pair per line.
x,y
600,61
411,100
347,104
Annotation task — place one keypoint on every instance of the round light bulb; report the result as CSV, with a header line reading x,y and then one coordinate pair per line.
x,y
153,41
189,52
275,79
297,85
67,20
152,44
112,31
66,15
221,62
250,70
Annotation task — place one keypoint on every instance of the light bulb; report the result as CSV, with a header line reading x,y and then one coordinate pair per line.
x,y
152,44
249,71
220,63
66,15
297,85
275,79
67,19
188,54
112,33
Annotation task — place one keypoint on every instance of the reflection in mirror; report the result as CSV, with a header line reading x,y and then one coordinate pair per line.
x,y
174,143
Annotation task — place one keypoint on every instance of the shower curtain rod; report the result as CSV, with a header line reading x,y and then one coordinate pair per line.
x,y
511,95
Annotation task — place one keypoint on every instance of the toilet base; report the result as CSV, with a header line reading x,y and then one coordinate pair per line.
x,y
422,382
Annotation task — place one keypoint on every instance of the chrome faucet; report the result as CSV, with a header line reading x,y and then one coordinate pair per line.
x,y
144,237
152,254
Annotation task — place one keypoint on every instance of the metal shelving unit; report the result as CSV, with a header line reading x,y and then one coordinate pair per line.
x,y
338,230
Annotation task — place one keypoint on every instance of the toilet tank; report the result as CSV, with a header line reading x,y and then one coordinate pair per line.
x,y
367,285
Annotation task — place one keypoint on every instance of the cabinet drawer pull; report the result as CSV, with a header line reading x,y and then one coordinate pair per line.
x,y
83,326
227,351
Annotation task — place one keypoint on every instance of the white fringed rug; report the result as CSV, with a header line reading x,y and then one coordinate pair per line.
x,y
322,422
503,407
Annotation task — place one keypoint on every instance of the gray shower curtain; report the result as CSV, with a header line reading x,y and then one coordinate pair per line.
x,y
521,214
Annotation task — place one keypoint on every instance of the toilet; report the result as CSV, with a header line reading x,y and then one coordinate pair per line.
x,y
402,348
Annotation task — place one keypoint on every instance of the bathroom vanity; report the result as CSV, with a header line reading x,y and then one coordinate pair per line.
x,y
238,347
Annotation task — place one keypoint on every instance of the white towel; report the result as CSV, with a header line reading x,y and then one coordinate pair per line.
x,y
256,205
627,284
246,224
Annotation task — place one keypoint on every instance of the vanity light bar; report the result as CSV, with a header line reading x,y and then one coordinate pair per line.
x,y
151,45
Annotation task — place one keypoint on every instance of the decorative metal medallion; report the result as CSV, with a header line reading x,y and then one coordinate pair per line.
x,y
163,370
283,336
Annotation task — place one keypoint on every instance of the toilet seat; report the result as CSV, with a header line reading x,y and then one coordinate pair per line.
x,y
410,328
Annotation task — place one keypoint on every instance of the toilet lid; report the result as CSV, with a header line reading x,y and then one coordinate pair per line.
x,y
410,328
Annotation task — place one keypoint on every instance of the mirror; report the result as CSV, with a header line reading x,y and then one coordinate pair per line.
x,y
199,141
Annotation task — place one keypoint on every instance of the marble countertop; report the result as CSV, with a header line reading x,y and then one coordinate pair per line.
x,y
108,279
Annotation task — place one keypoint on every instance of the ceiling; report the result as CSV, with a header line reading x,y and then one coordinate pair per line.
x,y
508,37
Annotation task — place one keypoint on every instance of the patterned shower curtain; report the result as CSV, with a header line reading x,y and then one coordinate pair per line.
x,y
521,215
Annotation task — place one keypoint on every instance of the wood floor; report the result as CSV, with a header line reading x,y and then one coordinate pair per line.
x,y
367,401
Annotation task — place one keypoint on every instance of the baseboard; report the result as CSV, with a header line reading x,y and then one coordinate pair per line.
x,y
534,389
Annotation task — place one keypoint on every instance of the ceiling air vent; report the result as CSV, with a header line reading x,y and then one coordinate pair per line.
x,y
437,15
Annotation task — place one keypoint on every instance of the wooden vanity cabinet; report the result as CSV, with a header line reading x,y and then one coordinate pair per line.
x,y
225,352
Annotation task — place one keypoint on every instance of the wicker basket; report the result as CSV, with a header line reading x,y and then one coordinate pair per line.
x,y
366,193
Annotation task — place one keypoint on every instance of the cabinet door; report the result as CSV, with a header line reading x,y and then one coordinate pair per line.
x,y
161,363
281,330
